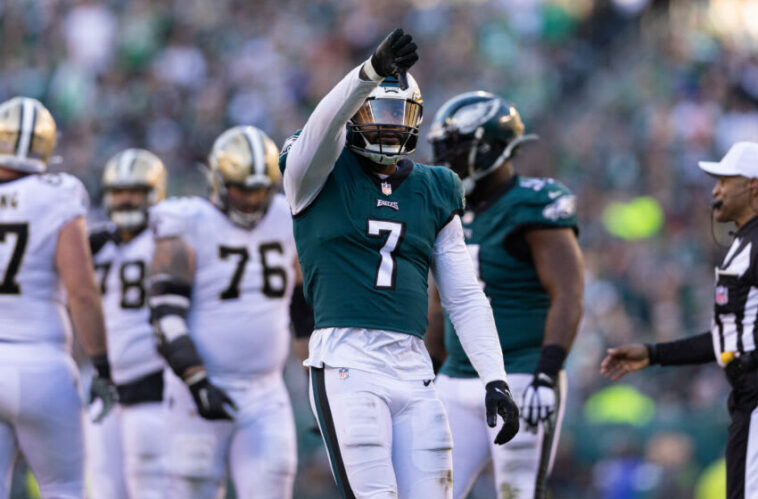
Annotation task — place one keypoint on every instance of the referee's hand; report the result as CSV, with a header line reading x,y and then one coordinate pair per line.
x,y
624,360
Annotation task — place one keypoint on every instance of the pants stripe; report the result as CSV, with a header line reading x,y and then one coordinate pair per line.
x,y
548,436
326,423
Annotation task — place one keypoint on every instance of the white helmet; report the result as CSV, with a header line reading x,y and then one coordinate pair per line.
x,y
385,128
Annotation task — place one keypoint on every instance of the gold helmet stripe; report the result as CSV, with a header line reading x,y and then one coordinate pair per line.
x,y
254,140
27,118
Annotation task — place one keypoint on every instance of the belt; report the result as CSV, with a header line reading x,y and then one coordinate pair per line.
x,y
736,365
148,388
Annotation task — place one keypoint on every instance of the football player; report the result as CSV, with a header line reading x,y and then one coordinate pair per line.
x,y
521,233
370,224
125,454
45,266
222,276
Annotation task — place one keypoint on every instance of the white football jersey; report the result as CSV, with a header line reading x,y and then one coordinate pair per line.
x,y
121,270
239,311
33,210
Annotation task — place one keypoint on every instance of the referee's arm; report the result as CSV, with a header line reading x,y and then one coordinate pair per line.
x,y
629,358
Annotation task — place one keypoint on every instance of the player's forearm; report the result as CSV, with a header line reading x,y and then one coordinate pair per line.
x,y
312,155
466,304
563,319
87,318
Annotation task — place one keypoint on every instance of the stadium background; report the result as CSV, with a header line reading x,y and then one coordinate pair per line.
x,y
626,95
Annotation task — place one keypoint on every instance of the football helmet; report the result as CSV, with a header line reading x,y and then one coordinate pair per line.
x,y
474,133
27,135
385,128
133,169
247,158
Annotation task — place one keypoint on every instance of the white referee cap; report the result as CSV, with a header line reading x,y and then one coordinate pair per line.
x,y
740,160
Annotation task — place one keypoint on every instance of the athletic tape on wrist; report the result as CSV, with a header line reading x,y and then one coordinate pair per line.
x,y
368,68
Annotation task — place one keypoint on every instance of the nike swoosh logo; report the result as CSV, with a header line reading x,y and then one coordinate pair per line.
x,y
554,194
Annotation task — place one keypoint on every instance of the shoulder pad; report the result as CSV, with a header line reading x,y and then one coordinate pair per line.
x,y
173,217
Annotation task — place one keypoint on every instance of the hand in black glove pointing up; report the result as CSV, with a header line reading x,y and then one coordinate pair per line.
x,y
395,55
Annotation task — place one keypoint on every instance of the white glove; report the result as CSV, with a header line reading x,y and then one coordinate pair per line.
x,y
538,402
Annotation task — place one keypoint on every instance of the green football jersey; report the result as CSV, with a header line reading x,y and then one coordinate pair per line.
x,y
365,244
495,238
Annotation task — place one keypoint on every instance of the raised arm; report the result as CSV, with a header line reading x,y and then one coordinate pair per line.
x,y
471,314
310,156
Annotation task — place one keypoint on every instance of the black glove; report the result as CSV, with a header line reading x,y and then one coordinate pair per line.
x,y
211,401
395,55
102,392
500,401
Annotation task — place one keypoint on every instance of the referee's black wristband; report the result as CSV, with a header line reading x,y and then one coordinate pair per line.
x,y
652,353
551,360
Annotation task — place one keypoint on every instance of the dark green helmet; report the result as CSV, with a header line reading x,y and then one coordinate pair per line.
x,y
474,133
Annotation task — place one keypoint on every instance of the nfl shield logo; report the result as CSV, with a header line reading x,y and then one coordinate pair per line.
x,y
722,295
386,188
344,373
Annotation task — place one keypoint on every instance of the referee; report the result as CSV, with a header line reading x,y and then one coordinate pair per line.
x,y
733,336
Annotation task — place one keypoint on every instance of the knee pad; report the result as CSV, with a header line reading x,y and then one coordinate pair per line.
x,y
432,441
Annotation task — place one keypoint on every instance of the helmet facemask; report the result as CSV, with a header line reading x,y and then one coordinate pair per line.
x,y
133,170
242,215
385,128
128,216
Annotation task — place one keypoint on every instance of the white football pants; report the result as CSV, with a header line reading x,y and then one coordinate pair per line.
x,y
522,465
258,447
125,453
385,437
41,415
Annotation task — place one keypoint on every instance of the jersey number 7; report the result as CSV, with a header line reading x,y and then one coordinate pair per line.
x,y
9,286
386,271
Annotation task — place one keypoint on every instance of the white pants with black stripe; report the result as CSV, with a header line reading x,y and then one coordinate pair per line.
x,y
125,455
41,416
522,465
258,448
386,437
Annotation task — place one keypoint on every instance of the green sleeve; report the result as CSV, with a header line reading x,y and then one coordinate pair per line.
x,y
450,191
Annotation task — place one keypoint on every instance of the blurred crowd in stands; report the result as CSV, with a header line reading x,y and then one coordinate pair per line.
x,y
626,96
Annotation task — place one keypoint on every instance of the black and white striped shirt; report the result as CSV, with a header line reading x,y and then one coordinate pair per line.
x,y
736,298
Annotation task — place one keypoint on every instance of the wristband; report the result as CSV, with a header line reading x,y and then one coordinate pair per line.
x,y
653,353
368,68
101,365
551,360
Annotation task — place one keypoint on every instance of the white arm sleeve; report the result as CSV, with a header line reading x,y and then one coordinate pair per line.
x,y
465,302
313,153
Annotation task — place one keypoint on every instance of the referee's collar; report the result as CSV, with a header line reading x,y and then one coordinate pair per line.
x,y
749,225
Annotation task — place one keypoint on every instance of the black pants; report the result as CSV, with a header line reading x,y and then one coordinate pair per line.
x,y
742,402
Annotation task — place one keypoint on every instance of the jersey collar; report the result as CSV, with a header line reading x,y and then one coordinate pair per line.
x,y
404,168
749,226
